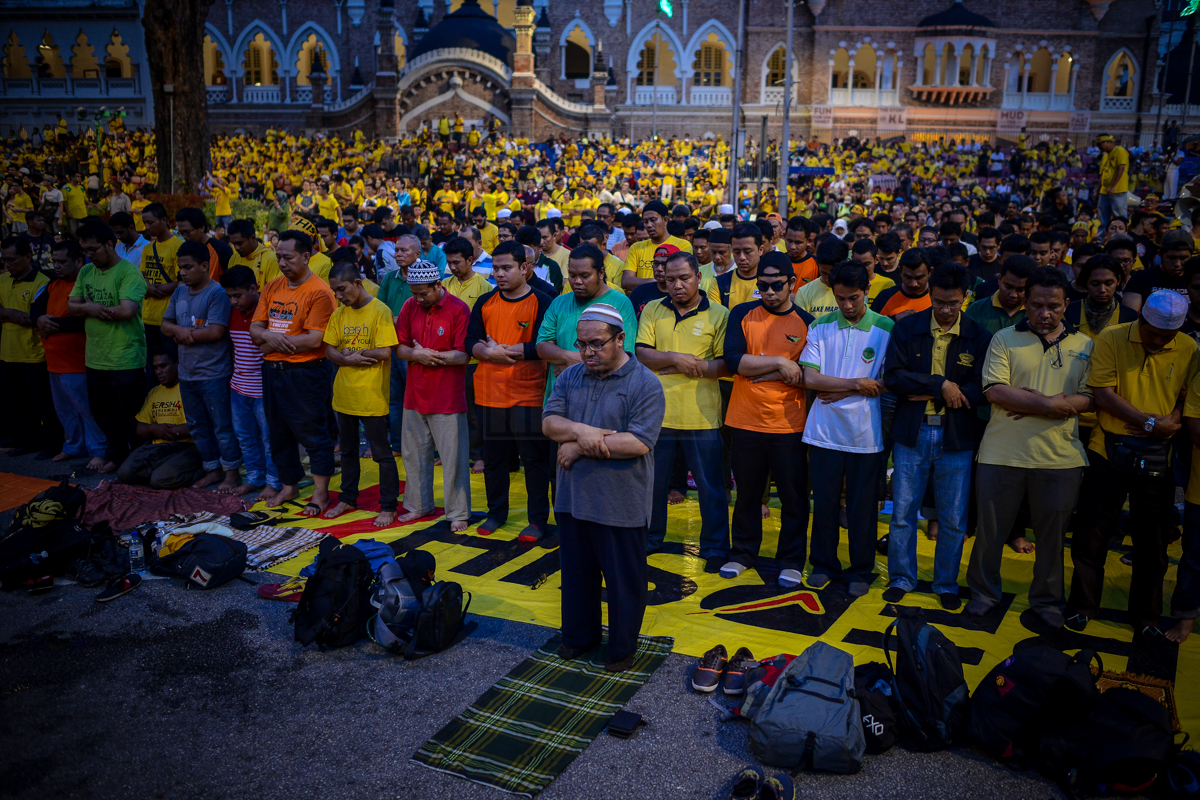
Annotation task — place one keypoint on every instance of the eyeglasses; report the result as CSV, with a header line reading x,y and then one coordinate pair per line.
x,y
773,286
594,347
951,304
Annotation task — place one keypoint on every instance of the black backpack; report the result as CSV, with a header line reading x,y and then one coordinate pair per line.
x,y
45,536
336,602
928,687
441,620
1033,686
873,687
1121,746
206,561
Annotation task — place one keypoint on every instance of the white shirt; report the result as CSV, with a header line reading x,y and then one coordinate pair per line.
x,y
483,265
385,259
133,253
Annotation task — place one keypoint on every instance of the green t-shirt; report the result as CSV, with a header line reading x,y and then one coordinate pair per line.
x,y
394,290
120,344
562,318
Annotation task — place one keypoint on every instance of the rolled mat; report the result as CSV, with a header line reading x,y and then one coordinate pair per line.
x,y
521,733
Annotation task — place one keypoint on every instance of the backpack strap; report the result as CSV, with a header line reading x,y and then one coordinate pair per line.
x,y
806,758
887,636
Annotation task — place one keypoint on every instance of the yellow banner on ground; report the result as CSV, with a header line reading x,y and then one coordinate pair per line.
x,y
516,581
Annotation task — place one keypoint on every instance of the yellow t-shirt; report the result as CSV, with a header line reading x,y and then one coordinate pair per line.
x,y
1191,408
640,258
878,284
221,196
20,344
816,298
362,391
76,197
1108,168
138,223
163,406
159,265
263,263
692,403
320,264
328,207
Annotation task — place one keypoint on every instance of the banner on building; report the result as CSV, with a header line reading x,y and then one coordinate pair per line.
x,y
892,120
1081,122
1012,119
822,117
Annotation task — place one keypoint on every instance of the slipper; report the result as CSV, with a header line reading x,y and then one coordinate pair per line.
x,y
305,513
245,520
119,587
289,591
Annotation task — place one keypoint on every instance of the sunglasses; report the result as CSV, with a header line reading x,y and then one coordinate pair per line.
x,y
773,286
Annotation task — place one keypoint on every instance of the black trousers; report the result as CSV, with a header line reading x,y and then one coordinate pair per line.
x,y
726,388
859,473
473,430
1151,505
589,551
296,401
376,429
116,396
507,432
758,458
28,389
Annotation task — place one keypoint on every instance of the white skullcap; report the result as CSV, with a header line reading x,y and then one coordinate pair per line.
x,y
553,212
725,208
1165,309
602,312
624,210
503,213
712,224
423,272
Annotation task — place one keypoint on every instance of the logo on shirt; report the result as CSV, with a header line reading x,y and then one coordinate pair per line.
x,y
524,324
792,339
965,359
441,331
868,355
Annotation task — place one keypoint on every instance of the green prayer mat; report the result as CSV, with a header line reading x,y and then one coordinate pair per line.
x,y
521,733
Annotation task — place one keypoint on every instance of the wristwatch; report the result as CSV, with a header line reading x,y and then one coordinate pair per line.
x,y
1148,425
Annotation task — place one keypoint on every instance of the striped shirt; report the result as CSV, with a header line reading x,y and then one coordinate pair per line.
x,y
247,358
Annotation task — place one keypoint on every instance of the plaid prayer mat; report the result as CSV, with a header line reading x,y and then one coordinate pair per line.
x,y
266,545
521,733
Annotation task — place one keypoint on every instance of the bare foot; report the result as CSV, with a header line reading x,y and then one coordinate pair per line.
x,y
1180,632
336,511
337,448
1022,545
107,468
97,463
209,479
384,519
62,457
932,532
246,489
411,516
766,511
458,526
284,495
675,497
231,484
477,467
368,454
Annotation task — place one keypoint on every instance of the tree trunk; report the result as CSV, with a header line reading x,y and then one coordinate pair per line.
x,y
174,35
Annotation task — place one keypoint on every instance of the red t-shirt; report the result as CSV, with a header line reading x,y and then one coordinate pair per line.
x,y
64,351
435,390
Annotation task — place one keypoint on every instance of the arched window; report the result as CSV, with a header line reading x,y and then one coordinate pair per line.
x,y
929,59
1119,77
947,75
260,67
312,54
841,69
84,63
656,66
49,60
214,65
116,62
1039,71
647,64
1062,83
709,66
965,62
16,64
775,67
577,55
864,67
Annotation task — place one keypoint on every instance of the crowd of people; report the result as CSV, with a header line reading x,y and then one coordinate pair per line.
x,y
1002,332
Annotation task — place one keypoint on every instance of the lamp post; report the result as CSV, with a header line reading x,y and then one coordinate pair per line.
x,y
664,7
785,154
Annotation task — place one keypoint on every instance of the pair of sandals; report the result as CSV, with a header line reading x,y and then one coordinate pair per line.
x,y
753,784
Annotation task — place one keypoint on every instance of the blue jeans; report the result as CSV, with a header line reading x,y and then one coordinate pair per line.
x,y
1112,205
702,451
951,473
250,425
82,436
396,402
210,422
1185,602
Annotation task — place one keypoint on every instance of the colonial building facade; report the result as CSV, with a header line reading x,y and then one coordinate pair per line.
x,y
977,68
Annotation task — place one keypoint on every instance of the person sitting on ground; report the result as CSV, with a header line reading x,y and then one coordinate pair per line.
x,y
169,460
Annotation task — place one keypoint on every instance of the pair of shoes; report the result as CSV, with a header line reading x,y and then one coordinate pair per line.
x,y
1077,623
949,600
859,588
753,784
790,578
568,653
288,591
713,564
893,594
119,587
1052,617
818,580
716,664
732,569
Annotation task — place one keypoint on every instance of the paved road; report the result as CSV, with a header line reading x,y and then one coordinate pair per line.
x,y
169,693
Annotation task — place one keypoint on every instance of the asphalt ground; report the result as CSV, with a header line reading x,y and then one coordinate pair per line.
x,y
171,693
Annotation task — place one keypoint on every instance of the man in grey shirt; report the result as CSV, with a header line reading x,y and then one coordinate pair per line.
x,y
605,414
197,318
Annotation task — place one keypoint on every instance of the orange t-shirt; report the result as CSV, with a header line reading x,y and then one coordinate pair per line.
x,y
892,301
806,271
292,311
64,351
509,322
771,406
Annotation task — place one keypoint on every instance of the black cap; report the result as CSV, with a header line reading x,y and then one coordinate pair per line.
x,y
658,207
777,261
720,235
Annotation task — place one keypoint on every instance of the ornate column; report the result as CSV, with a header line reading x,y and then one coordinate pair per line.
x,y
1053,79
850,83
1024,84
920,71
937,69
879,81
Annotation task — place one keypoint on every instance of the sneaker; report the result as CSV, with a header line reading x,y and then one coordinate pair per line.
x,y
1150,635
732,569
1077,623
288,591
790,578
1052,617
119,587
1127,559
778,787
977,608
748,784
818,581
893,594
859,588
488,527
708,672
713,564
735,673
40,584
881,545
949,600
529,534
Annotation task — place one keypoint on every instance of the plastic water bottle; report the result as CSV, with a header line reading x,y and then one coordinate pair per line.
x,y
137,555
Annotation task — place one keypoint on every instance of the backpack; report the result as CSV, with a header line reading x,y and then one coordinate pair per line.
x,y
928,687
206,561
1023,692
44,536
873,688
398,590
1121,746
336,603
809,718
